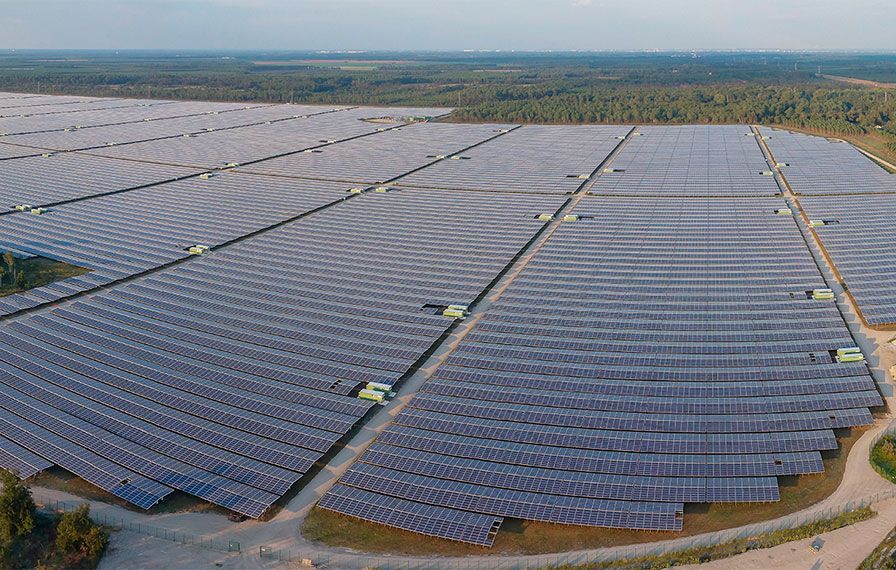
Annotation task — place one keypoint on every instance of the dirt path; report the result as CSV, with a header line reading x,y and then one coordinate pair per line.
x,y
859,81
844,548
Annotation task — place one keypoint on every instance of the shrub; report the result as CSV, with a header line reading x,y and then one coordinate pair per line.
x,y
78,536
883,457
16,508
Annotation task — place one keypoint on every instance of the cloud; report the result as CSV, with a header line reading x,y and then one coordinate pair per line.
x,y
580,3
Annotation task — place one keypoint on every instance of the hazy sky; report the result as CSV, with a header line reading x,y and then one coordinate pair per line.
x,y
448,24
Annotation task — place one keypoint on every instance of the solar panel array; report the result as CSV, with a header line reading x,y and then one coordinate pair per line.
x,y
229,375
387,156
8,151
124,234
16,103
690,160
859,236
533,158
125,112
816,165
45,180
117,134
655,352
256,142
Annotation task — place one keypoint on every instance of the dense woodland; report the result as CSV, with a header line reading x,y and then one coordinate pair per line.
x,y
770,88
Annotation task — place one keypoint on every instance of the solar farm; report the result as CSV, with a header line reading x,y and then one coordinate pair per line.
x,y
262,280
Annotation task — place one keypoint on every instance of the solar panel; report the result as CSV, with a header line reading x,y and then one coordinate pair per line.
x,y
533,158
229,375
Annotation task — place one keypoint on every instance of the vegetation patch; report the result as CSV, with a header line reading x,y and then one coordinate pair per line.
x,y
883,457
17,275
702,554
533,537
33,539
884,556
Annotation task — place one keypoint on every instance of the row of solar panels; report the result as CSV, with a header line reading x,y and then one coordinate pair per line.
x,y
79,138
541,412
132,112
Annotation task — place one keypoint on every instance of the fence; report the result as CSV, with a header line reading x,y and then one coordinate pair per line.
x,y
889,430
360,562
148,530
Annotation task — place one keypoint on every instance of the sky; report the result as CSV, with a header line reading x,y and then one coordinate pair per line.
x,y
448,24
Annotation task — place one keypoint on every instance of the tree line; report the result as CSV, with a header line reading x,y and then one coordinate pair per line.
x,y
539,94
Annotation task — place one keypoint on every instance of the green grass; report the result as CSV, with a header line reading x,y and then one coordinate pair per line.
x,y
39,271
532,537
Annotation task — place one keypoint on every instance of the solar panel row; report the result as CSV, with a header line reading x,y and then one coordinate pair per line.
x,y
533,158
122,134
256,142
124,234
114,113
373,160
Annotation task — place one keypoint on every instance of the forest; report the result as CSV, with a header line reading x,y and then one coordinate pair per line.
x,y
780,88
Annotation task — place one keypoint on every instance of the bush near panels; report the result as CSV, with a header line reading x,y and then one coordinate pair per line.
x,y
33,539
79,538
883,457
17,510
